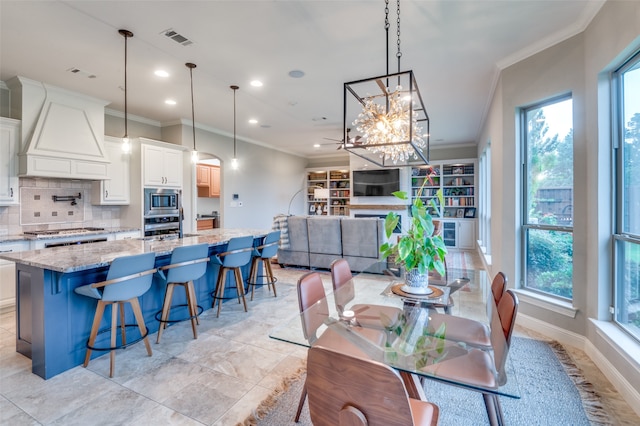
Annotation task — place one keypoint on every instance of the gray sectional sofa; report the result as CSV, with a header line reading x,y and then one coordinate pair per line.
x,y
316,241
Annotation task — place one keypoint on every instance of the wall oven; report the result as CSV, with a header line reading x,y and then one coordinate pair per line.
x,y
162,212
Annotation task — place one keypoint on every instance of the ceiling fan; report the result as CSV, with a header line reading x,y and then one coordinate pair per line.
x,y
356,140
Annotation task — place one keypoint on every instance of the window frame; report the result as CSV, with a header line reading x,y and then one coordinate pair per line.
x,y
620,237
524,185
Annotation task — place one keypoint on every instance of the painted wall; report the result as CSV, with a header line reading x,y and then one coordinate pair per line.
x,y
578,65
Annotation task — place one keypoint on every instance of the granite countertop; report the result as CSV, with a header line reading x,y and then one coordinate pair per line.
x,y
88,256
105,231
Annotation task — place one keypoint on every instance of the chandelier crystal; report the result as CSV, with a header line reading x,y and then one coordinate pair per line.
x,y
384,128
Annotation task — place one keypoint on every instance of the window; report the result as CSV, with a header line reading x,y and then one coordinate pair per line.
x,y
547,180
626,82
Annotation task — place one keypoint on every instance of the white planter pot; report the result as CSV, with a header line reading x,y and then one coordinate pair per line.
x,y
417,281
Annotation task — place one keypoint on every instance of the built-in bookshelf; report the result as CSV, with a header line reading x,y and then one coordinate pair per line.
x,y
458,184
336,200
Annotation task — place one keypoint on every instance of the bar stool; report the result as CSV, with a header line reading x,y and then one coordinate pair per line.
x,y
238,254
187,264
264,253
129,277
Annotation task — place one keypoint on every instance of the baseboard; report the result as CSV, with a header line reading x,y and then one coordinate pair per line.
x,y
565,337
8,305
631,395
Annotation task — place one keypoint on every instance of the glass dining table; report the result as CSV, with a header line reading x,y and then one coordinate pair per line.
x,y
424,341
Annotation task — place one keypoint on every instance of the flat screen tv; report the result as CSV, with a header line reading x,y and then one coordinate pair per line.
x,y
376,183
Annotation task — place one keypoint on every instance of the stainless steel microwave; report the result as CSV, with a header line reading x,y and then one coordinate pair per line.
x,y
161,201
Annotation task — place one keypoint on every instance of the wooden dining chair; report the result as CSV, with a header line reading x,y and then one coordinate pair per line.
x,y
314,310
498,286
344,292
477,367
471,332
350,391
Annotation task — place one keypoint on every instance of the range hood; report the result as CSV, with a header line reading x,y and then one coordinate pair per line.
x,y
62,131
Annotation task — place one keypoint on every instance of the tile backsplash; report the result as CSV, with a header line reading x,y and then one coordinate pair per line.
x,y
38,206
38,211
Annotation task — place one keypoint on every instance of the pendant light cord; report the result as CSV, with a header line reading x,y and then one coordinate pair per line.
x,y
386,29
234,119
399,53
126,34
126,113
191,66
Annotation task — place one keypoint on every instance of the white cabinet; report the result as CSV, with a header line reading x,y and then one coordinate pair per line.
x,y
162,167
9,140
8,274
459,234
466,234
115,190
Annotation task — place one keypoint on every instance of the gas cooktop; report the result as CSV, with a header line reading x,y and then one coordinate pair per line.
x,y
61,232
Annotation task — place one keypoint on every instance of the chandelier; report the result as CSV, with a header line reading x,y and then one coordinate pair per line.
x,y
391,119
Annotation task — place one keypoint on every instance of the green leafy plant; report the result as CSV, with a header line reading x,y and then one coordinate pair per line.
x,y
412,339
417,247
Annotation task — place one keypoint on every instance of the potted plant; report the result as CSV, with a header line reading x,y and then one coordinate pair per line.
x,y
418,250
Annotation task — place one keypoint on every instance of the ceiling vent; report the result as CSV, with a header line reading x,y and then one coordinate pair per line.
x,y
177,37
78,71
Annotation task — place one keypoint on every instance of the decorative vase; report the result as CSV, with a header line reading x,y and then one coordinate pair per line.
x,y
417,283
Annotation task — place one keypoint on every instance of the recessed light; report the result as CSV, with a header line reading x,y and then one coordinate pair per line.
x,y
316,145
170,102
253,121
256,83
161,73
296,74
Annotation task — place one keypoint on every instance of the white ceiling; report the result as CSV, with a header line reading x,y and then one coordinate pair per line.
x,y
455,48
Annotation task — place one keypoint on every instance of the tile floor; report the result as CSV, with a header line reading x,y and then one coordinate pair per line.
x,y
214,380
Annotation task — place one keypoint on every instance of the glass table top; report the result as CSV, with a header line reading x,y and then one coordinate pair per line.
x,y
421,339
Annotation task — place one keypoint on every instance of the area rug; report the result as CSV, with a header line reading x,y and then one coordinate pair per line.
x,y
553,392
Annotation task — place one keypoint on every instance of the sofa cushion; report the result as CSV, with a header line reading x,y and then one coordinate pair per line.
x,y
361,237
325,236
298,240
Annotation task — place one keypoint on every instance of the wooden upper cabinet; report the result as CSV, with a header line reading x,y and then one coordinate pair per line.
x,y
203,175
214,188
208,181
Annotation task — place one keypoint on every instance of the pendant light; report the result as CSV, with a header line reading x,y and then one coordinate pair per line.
x,y
194,153
391,120
126,146
234,160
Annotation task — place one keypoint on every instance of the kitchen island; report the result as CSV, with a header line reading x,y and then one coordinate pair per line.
x,y
53,322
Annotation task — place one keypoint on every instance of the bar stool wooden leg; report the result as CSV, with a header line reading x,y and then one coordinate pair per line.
x,y
123,331
166,309
240,286
97,319
191,292
137,312
270,277
191,305
114,330
220,288
253,275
